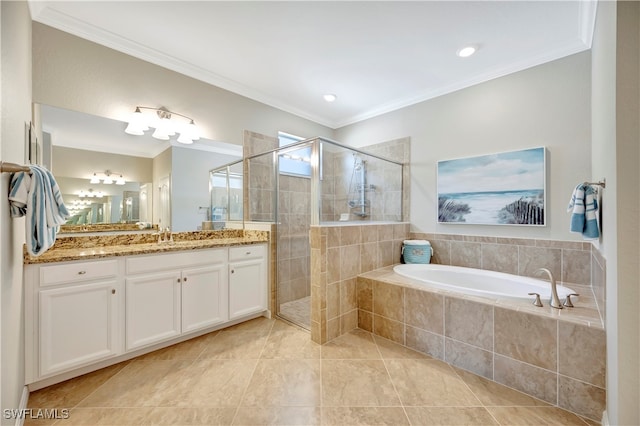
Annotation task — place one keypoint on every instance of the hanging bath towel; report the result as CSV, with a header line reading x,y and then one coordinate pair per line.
x,y
37,197
584,212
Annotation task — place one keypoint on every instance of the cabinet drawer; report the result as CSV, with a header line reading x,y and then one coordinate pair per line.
x,y
178,260
76,272
247,252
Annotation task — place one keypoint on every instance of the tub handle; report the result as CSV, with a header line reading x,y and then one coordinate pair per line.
x,y
536,302
567,301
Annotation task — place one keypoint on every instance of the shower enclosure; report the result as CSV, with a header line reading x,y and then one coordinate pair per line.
x,y
316,182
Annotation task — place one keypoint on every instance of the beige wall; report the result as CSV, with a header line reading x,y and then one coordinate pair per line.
x,y
548,105
615,154
79,163
72,73
16,111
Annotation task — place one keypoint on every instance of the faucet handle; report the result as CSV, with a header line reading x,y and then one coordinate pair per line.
x,y
567,301
536,302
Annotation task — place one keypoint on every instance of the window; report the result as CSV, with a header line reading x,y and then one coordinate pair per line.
x,y
295,163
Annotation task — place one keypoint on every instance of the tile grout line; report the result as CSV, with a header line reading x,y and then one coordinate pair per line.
x,y
395,389
255,367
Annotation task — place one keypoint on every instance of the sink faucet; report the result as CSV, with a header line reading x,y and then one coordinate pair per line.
x,y
555,301
165,235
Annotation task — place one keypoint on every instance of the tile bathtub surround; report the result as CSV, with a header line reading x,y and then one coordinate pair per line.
x,y
338,255
555,356
571,262
267,372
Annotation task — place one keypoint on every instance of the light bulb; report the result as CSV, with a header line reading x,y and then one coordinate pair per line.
x,y
137,124
107,180
163,130
120,181
467,51
94,179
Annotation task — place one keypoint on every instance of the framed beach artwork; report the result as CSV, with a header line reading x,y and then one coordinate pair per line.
x,y
498,189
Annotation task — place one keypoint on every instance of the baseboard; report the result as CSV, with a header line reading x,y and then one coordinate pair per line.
x,y
605,418
24,401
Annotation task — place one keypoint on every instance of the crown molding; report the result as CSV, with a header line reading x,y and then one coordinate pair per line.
x,y
587,23
43,13
56,19
567,50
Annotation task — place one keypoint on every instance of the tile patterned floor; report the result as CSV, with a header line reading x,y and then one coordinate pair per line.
x,y
266,372
298,311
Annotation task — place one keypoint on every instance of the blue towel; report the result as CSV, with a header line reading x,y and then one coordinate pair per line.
x,y
584,212
37,197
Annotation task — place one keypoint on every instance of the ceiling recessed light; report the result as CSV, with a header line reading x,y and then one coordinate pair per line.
x,y
467,51
330,97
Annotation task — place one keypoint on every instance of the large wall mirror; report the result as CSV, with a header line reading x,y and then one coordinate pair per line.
x,y
153,181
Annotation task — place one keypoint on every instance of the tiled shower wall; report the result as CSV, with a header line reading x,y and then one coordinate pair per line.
x,y
292,228
338,255
259,178
389,183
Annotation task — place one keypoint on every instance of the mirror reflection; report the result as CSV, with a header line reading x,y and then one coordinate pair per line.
x,y
225,186
107,176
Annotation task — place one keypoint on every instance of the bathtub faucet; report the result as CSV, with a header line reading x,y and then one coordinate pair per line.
x,y
555,301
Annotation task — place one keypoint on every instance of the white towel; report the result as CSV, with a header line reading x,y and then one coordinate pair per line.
x,y
37,196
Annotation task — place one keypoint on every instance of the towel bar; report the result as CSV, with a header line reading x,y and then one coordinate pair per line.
x,y
13,168
602,183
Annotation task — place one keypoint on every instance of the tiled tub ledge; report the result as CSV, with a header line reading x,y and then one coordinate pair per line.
x,y
557,356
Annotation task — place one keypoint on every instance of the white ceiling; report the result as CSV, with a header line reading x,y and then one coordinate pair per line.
x,y
375,56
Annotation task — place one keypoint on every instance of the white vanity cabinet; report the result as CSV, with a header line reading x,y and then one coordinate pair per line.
x,y
81,315
247,278
74,312
174,293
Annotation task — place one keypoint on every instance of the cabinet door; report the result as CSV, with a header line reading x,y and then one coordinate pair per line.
x,y
78,325
204,297
153,308
247,287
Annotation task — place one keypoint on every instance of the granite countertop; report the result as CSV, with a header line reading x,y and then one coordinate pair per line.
x,y
97,247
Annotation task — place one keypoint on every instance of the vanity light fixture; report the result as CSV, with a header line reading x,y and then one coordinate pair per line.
x,y
107,178
165,124
88,194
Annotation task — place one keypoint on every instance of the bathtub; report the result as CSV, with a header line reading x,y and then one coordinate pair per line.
x,y
478,282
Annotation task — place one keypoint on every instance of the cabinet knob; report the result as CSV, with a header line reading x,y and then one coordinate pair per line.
x,y
233,271
248,252
113,291
184,279
82,272
178,279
